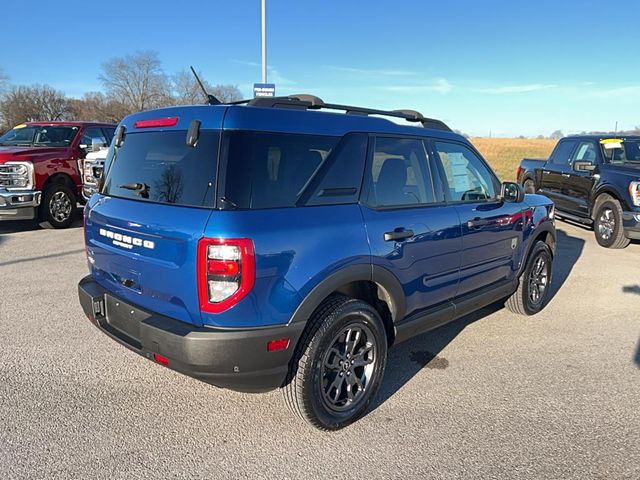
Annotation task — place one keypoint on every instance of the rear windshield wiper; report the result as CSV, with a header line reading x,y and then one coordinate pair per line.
x,y
141,189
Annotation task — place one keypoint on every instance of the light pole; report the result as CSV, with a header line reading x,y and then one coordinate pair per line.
x,y
264,41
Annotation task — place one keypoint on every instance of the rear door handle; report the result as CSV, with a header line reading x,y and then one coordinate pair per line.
x,y
398,234
477,223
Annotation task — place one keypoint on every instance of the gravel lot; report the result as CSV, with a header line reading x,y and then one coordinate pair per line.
x,y
489,396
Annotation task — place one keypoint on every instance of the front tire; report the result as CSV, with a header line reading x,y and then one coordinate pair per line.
x,y
339,364
533,290
607,225
58,206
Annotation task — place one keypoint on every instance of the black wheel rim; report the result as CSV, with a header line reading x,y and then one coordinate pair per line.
x,y
348,367
60,207
538,280
606,224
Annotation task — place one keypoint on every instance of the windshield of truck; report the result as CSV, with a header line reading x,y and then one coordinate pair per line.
x,y
619,151
39,136
160,167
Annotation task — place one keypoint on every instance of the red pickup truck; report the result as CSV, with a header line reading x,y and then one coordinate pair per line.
x,y
40,165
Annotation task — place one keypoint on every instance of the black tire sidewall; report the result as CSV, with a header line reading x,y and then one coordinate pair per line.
x,y
45,214
615,208
358,312
529,182
530,308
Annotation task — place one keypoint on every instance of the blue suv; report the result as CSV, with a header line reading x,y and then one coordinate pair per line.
x,y
288,243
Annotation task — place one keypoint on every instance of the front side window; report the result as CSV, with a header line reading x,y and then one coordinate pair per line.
x,y
399,174
39,136
271,170
468,177
586,152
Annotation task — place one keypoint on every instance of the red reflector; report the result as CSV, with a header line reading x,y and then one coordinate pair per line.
x,y
222,267
161,360
156,122
275,345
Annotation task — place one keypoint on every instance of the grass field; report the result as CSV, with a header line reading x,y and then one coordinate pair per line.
x,y
504,154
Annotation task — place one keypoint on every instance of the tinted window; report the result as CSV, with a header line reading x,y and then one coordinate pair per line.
x,y
92,135
399,174
46,136
160,167
109,132
271,170
338,180
468,177
562,153
586,151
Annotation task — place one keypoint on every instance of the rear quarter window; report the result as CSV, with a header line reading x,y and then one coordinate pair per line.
x,y
160,167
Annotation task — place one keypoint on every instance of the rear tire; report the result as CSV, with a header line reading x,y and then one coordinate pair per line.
x,y
607,225
529,186
533,288
338,365
58,206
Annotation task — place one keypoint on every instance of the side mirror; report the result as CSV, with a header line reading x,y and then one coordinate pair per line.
x,y
511,192
583,166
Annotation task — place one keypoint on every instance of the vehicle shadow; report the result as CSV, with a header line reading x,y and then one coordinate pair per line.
x,y
568,251
634,289
18,226
423,351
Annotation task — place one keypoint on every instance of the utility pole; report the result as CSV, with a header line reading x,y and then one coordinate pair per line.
x,y
264,41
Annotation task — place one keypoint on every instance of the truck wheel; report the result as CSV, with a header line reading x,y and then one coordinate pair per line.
x,y
338,365
529,186
533,289
58,206
607,225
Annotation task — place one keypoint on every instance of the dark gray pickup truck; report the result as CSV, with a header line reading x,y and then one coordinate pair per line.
x,y
594,180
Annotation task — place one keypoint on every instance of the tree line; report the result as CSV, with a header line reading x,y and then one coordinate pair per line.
x,y
130,84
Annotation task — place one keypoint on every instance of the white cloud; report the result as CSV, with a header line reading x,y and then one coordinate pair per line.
x,y
531,87
371,72
633,90
441,86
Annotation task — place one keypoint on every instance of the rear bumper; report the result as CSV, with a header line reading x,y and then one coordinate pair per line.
x,y
234,359
19,205
631,224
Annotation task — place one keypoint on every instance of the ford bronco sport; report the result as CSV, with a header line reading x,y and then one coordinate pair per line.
x,y
288,243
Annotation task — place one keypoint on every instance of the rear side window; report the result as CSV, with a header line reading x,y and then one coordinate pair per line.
x,y
271,170
399,174
562,153
160,167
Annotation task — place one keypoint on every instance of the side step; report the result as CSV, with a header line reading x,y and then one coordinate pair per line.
x,y
574,218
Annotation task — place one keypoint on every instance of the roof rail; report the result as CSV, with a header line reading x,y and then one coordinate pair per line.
x,y
311,102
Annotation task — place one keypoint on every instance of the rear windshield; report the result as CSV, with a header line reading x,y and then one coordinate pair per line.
x,y
160,167
271,170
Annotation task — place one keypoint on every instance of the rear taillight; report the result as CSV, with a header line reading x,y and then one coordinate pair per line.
x,y
226,272
519,172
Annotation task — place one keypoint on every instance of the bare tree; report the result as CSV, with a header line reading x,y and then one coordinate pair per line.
x,y
97,107
4,81
136,81
226,93
556,135
33,103
186,90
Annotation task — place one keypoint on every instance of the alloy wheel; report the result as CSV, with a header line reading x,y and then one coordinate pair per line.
x,y
60,207
538,280
606,224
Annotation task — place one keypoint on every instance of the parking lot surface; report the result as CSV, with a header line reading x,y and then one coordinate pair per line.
x,y
492,395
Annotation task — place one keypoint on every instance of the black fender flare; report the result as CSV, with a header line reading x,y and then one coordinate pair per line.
x,y
545,227
389,289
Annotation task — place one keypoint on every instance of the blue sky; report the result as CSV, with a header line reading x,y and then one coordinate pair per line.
x,y
505,67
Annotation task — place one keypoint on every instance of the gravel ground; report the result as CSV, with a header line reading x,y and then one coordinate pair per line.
x,y
492,395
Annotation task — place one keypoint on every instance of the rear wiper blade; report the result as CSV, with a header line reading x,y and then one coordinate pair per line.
x,y
141,189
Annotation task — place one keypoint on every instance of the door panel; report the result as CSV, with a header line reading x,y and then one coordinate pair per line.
x,y
578,185
556,172
426,264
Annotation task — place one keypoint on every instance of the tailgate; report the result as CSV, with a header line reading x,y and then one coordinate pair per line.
x,y
145,253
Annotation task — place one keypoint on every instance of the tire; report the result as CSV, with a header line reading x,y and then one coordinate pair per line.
x,y
607,224
533,288
322,377
529,186
58,206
